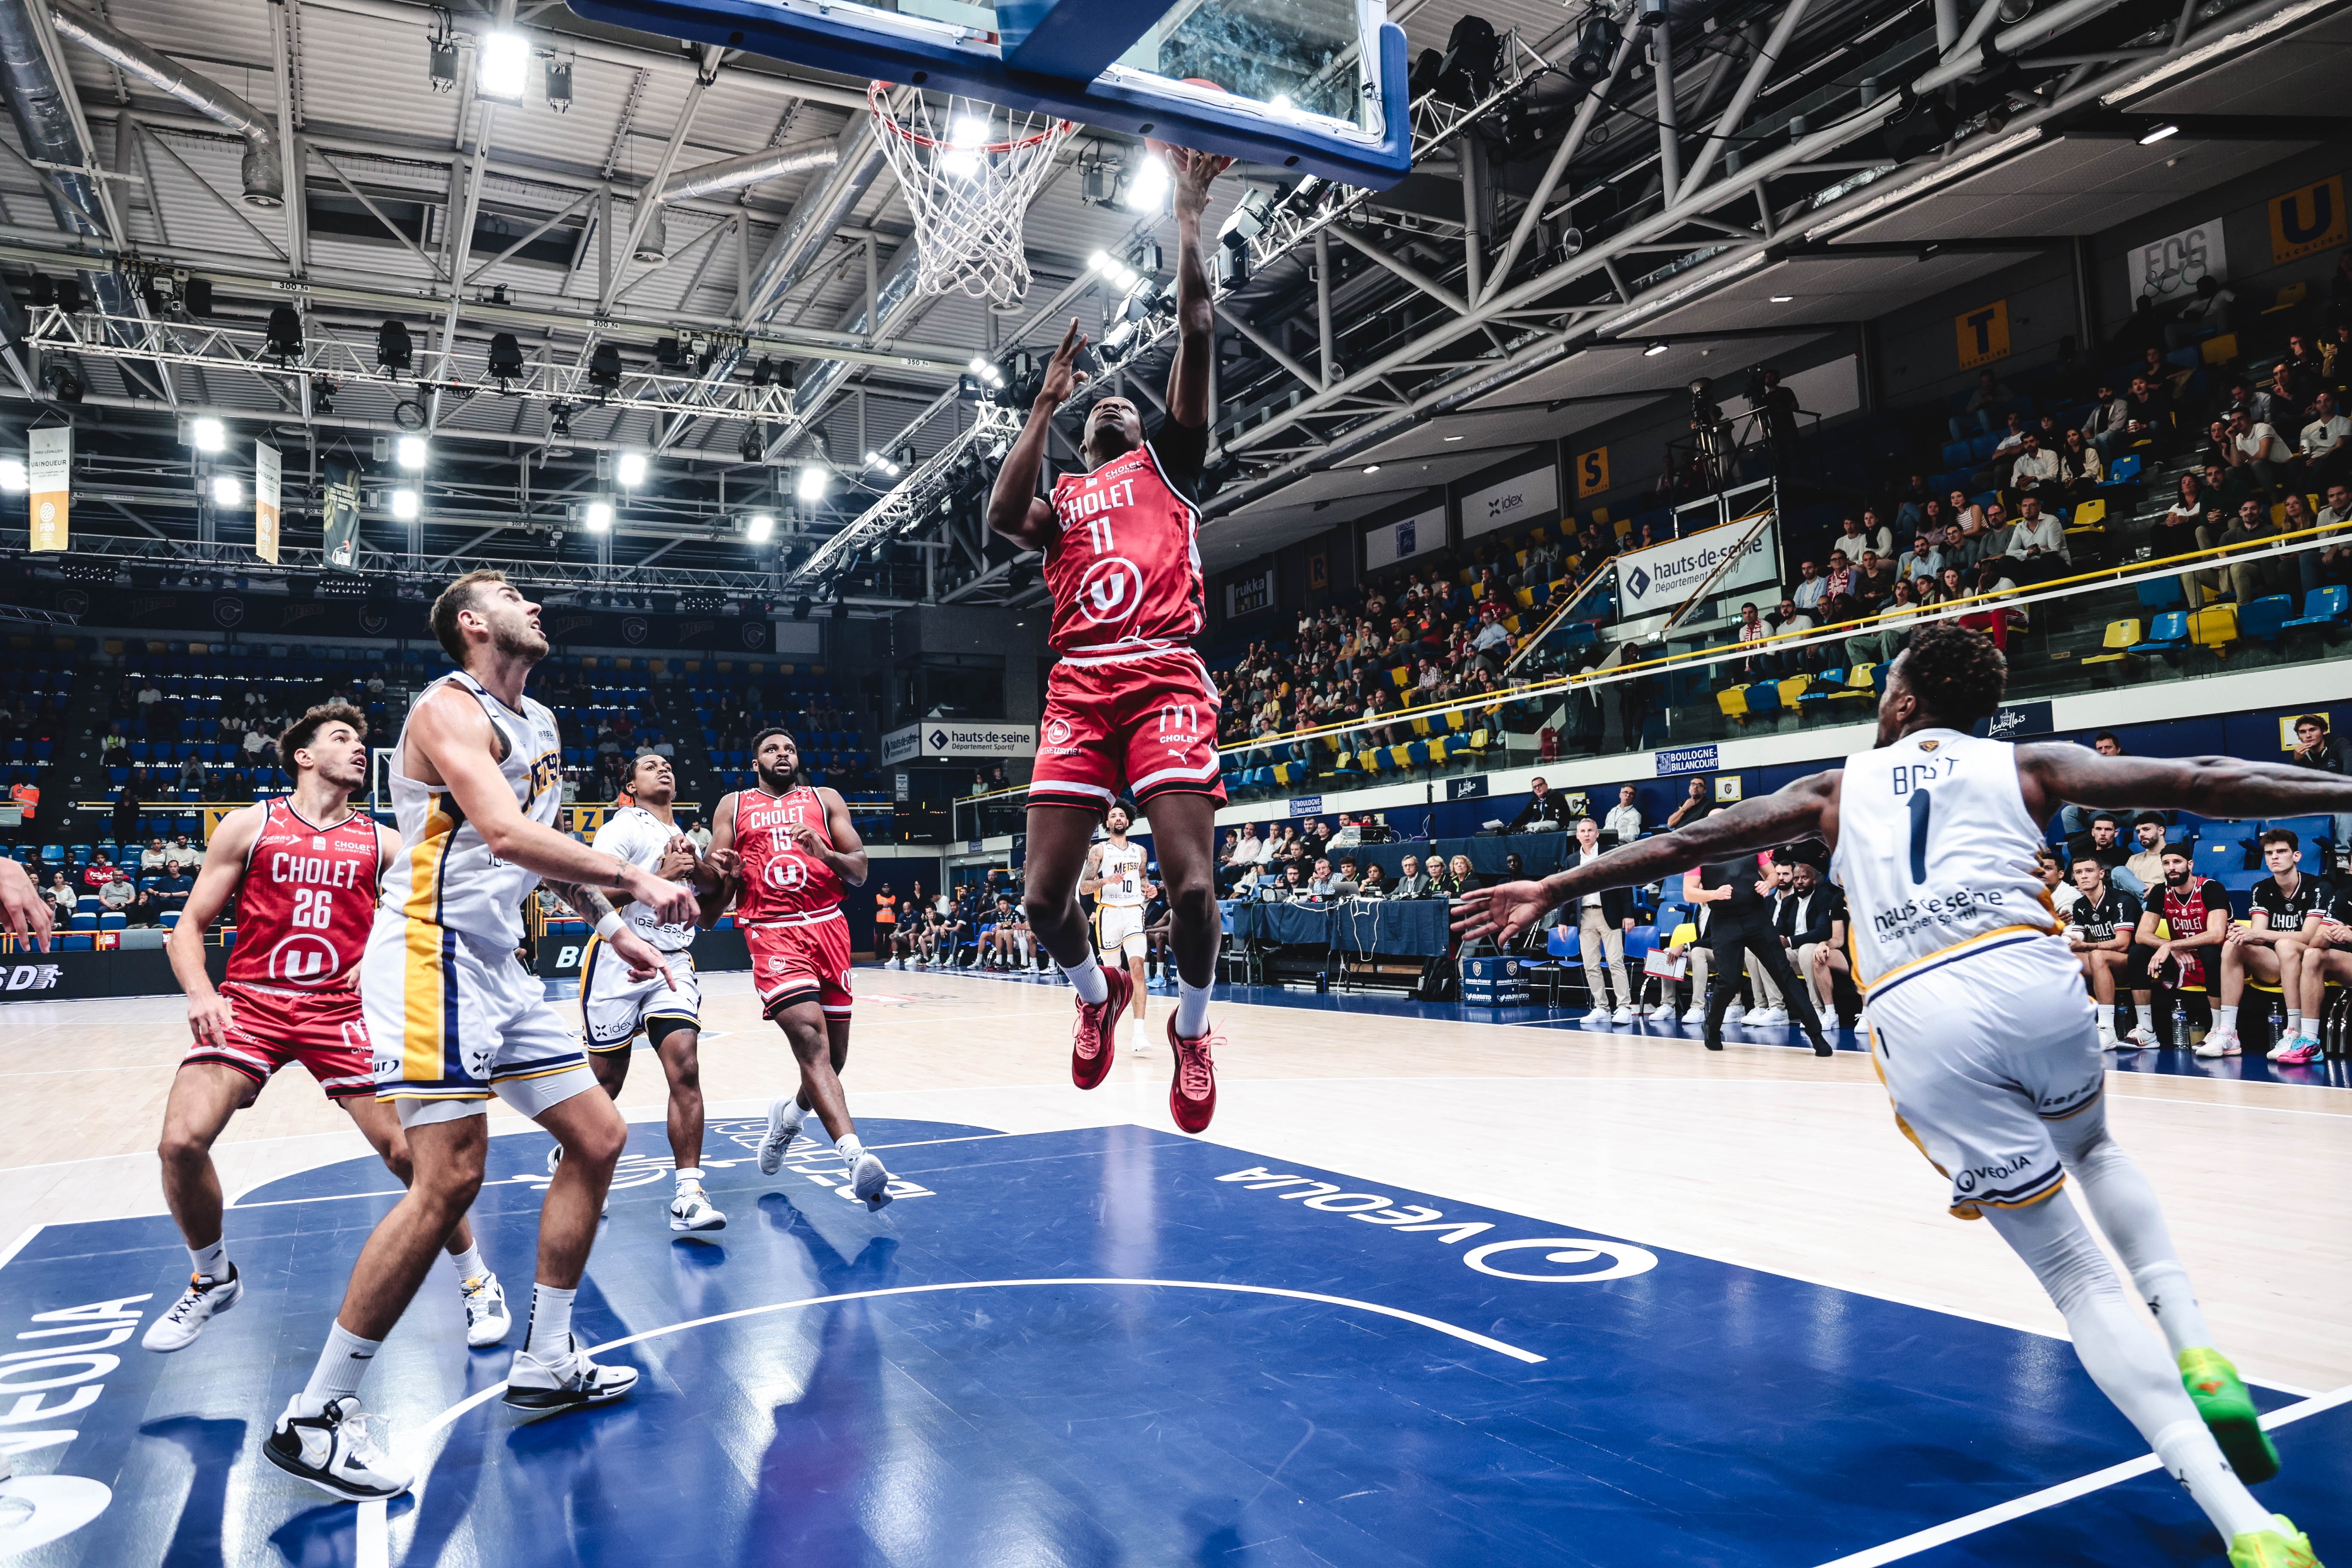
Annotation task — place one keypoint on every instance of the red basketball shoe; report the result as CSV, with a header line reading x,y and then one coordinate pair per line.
x,y
1093,1038
1192,1093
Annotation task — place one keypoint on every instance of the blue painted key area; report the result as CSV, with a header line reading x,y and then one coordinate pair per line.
x,y
1410,1382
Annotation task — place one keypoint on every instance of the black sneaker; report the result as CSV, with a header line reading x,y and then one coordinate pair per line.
x,y
336,1452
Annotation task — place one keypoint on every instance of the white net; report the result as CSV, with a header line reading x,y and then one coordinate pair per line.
x,y
968,170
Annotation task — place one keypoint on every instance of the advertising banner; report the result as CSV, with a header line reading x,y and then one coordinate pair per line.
x,y
1514,503
1386,544
49,466
1664,576
266,475
341,513
957,738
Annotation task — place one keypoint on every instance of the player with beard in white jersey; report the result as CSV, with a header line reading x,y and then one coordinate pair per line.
x,y
615,1007
453,1018
1114,878
1980,1028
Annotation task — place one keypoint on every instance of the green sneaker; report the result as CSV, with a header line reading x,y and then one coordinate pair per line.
x,y
2230,1415
2285,1547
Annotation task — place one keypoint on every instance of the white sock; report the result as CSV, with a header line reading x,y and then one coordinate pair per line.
x,y
2294,1023
209,1262
852,1148
1192,1008
341,1365
2192,1457
549,1338
690,1175
2106,1023
1087,979
2145,1013
2225,1020
469,1264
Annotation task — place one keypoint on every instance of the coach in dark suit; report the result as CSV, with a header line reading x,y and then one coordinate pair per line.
x,y
1740,921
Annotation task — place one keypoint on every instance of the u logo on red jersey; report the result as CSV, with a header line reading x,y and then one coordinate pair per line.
x,y
1111,591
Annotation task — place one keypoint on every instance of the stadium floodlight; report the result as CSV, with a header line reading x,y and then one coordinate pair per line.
x,y
1656,348
1149,189
598,517
2159,133
876,460
761,527
207,435
226,491
812,483
631,470
15,480
963,155
505,61
411,453
404,504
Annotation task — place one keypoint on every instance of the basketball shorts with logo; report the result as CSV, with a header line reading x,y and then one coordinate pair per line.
x,y
800,960
1144,726
1983,1051
454,1019
616,1009
1119,929
272,1026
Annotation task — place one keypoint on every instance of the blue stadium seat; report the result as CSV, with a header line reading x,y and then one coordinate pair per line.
x,y
2305,828
2161,594
112,921
1764,697
2214,856
85,922
2323,607
2234,832
2169,633
2125,470
2266,619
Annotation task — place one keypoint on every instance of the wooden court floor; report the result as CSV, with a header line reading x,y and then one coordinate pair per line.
x,y
1761,1156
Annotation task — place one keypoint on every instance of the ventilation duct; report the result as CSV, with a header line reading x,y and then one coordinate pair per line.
x,y
46,126
263,172
733,174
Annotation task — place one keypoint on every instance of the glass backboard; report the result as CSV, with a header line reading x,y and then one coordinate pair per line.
x,y
1316,86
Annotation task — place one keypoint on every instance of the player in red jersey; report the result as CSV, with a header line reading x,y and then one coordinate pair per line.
x,y
1128,704
787,850
302,872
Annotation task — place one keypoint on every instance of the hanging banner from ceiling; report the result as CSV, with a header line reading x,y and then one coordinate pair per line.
x,y
266,474
340,514
50,468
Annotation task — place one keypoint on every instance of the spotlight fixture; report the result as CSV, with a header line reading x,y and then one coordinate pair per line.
x,y
504,62
559,82
206,435
800,609
755,442
1122,276
764,372
323,393
1783,299
604,369
876,460
963,156
840,607
1655,348
14,479
598,517
760,529
1595,49
404,504
393,349
559,421
811,483
410,452
1147,189
1371,469
441,67
2159,133
631,470
61,384
285,337
226,491
506,359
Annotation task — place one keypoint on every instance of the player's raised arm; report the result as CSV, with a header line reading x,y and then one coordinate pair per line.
x,y
1014,508
1196,310
450,736
1805,809
216,883
2210,786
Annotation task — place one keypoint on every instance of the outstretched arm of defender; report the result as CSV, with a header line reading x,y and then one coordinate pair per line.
x,y
2211,786
216,883
1014,508
449,740
1805,809
1196,310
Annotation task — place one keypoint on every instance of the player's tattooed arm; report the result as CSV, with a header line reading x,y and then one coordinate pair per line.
x,y
586,902
1090,881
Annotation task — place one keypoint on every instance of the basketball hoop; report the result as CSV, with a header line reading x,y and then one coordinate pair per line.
x,y
968,187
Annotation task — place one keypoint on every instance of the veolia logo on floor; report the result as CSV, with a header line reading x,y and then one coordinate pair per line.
x,y
957,738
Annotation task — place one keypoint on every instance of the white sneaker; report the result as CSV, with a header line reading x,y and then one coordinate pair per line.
x,y
869,1180
2142,1038
199,1304
784,1117
603,1209
692,1210
1695,1013
2219,1043
486,1316
564,1383
336,1452
1598,1016
2279,1046
1734,1015
1769,1018
1622,1016
1664,1012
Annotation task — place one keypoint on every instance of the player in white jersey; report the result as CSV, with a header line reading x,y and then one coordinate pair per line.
x,y
1116,875
1980,1027
453,1017
616,1006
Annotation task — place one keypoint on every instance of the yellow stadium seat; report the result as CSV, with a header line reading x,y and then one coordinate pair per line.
x,y
1793,687
1399,759
1437,751
2089,514
1624,527
1421,726
2220,349
1520,559
1401,676
1476,741
1733,701
1511,625
2290,297
2120,636
1526,596
2214,627
1456,721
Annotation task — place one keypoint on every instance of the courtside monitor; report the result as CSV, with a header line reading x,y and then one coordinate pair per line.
x,y
1317,86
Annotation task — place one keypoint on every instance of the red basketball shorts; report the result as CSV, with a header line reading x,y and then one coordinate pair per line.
x,y
1145,724
324,1031
797,959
